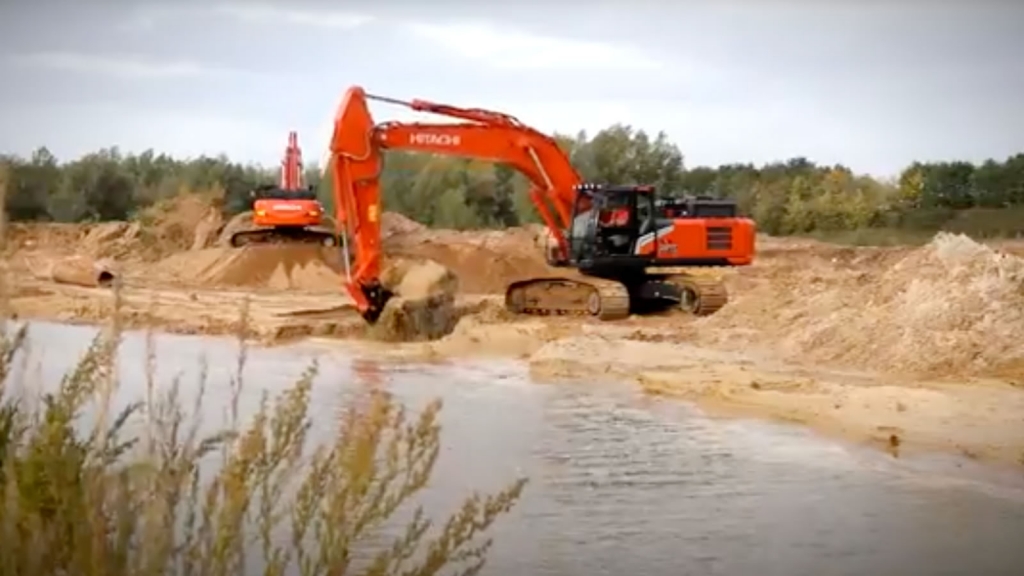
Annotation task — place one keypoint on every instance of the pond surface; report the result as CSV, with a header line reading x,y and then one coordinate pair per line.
x,y
622,484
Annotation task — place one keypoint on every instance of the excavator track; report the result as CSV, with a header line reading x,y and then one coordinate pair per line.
x,y
701,295
272,236
569,295
579,295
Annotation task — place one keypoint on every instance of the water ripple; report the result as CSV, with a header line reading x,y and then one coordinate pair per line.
x,y
624,485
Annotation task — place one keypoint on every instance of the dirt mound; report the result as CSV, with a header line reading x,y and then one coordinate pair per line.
x,y
112,240
953,306
188,221
480,271
237,223
271,266
485,262
393,224
43,235
183,222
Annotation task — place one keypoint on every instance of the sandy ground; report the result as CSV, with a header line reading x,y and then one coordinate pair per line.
x,y
903,348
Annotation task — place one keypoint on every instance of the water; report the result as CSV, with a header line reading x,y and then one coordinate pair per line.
x,y
623,484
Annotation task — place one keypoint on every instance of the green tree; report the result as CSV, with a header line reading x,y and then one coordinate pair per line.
x,y
791,196
33,182
622,155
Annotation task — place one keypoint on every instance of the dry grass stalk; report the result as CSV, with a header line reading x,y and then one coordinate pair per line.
x,y
107,502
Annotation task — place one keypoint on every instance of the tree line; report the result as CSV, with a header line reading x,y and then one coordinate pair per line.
x,y
796,196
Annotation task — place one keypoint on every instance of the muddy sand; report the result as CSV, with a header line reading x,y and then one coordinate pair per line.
x,y
904,348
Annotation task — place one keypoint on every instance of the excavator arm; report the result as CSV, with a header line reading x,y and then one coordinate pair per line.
x,y
291,164
356,162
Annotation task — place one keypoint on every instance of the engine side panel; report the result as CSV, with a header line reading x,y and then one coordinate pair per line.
x,y
714,239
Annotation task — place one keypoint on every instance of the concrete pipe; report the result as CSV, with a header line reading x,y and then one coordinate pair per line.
x,y
87,273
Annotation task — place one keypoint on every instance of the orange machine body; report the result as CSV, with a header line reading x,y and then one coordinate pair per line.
x,y
356,161
732,241
290,203
287,212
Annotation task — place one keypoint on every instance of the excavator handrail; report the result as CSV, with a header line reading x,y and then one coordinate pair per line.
x,y
472,114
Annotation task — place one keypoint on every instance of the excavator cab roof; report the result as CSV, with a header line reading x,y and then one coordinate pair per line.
x,y
604,195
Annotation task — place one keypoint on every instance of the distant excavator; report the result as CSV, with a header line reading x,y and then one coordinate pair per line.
x,y
287,212
618,244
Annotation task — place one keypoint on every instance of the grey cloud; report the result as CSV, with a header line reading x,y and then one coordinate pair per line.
x,y
867,84
276,16
116,65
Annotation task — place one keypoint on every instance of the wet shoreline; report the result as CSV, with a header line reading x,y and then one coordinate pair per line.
x,y
975,419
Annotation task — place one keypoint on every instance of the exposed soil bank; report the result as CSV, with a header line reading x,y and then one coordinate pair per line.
x,y
901,347
976,417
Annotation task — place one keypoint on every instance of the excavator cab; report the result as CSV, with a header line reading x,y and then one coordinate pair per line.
x,y
608,221
275,192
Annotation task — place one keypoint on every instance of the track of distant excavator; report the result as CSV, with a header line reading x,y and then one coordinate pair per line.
x,y
574,294
277,236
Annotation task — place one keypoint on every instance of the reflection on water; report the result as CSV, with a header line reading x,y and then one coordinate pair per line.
x,y
622,484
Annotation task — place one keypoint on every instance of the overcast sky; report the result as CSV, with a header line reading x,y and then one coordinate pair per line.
x,y
870,87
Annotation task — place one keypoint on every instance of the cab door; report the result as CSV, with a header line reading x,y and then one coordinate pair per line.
x,y
583,227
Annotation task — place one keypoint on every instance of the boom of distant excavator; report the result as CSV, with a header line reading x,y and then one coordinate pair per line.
x,y
287,212
615,242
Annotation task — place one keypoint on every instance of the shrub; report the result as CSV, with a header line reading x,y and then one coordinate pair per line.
x,y
248,499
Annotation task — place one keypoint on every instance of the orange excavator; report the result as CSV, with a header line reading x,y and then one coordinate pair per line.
x,y
622,249
286,212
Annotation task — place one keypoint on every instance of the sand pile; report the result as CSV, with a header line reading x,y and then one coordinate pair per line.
x,y
188,221
270,266
480,271
394,224
485,262
42,236
423,307
237,222
951,307
119,240
521,241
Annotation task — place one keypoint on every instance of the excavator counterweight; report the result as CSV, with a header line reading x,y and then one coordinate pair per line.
x,y
616,249
288,212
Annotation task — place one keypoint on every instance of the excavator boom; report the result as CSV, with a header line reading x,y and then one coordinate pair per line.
x,y
291,164
356,161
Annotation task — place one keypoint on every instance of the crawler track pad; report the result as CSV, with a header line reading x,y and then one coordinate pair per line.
x,y
568,296
701,295
307,236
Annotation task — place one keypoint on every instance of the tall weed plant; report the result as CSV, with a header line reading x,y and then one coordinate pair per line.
x,y
253,498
